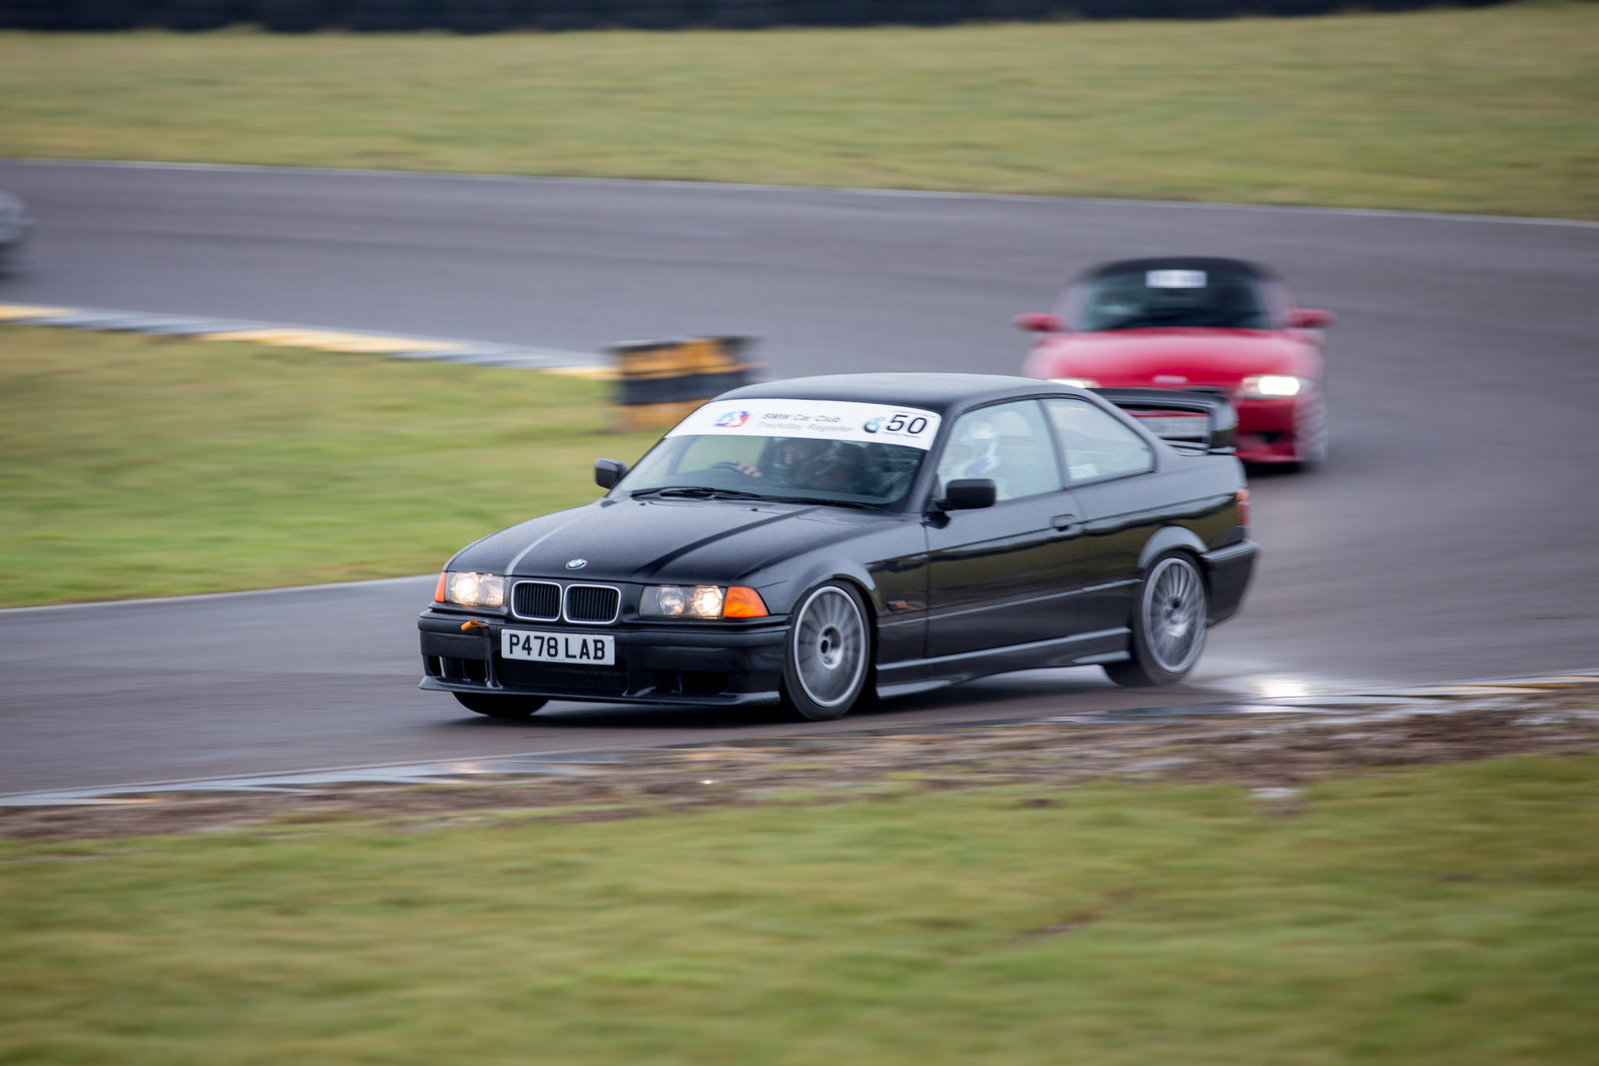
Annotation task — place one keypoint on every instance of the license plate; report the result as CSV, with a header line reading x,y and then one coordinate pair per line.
x,y
586,649
1177,426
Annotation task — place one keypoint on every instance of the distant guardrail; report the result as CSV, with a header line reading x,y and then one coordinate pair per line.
x,y
491,16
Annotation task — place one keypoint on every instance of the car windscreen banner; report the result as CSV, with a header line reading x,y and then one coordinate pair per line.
x,y
863,423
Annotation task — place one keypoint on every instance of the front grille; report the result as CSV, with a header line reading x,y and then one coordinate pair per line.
x,y
538,600
592,603
560,680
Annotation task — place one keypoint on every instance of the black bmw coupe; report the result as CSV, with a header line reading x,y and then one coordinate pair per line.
x,y
818,540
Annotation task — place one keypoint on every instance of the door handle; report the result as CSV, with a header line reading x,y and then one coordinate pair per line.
x,y
1066,523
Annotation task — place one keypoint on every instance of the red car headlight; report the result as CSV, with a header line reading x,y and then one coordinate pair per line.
x,y
1272,387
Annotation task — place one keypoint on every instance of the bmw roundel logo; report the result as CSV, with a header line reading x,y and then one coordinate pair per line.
x,y
873,425
577,564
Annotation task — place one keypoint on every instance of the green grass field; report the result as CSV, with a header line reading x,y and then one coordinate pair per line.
x,y
1442,916
140,466
1488,110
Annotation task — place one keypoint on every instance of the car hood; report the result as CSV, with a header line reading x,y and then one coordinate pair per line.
x,y
1135,356
670,541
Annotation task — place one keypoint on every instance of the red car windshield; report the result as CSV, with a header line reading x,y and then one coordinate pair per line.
x,y
1156,299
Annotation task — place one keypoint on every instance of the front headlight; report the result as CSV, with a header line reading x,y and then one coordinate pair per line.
x,y
1080,383
701,601
1271,386
470,589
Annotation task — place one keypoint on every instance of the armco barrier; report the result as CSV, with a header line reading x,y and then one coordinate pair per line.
x,y
489,16
659,382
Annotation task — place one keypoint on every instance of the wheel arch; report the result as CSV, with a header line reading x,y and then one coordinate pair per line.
x,y
1173,538
857,577
866,589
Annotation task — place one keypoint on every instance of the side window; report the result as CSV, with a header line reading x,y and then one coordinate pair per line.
x,y
1094,443
1008,442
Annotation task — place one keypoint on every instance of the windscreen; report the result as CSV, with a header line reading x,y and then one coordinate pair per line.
x,y
814,451
1226,298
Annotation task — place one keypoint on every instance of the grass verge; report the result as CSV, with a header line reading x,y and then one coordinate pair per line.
x,y
1487,110
1427,915
143,466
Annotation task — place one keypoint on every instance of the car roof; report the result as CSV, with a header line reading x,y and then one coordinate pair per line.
x,y
928,391
1179,262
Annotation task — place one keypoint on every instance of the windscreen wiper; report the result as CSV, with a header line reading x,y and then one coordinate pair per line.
x,y
697,492
820,501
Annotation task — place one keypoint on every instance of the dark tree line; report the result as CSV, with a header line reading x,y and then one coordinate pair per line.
x,y
488,16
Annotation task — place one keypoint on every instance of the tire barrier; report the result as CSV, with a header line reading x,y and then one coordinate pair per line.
x,y
492,16
659,382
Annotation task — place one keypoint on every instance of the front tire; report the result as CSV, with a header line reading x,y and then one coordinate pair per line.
x,y
1168,624
496,705
828,653
1311,436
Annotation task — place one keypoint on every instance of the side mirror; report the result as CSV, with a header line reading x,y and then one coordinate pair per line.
x,y
1038,322
607,472
968,494
1305,318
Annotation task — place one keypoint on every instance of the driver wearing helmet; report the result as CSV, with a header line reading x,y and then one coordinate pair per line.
x,y
799,461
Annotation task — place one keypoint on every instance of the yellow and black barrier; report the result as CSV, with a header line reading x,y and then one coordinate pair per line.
x,y
659,382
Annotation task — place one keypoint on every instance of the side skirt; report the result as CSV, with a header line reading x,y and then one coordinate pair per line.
x,y
918,675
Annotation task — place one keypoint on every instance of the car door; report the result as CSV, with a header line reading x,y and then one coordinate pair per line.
x,y
1005,574
1109,473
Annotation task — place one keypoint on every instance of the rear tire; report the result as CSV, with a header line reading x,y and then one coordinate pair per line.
x,y
828,653
1168,624
496,705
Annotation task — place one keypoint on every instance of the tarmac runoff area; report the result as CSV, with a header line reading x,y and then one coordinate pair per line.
x,y
579,364
1275,747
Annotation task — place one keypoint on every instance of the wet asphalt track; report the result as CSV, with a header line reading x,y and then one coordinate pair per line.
x,y
1452,535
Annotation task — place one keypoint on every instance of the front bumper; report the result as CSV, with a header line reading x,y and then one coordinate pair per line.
x,y
721,664
1268,430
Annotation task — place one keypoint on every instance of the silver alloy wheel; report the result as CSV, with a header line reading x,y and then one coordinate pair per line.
x,y
1174,620
829,647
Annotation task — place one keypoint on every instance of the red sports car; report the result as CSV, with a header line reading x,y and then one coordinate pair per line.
x,y
1200,324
